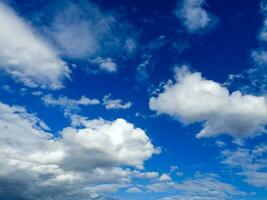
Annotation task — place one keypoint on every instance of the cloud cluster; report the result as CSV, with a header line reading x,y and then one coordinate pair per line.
x,y
250,163
27,56
194,17
192,98
81,164
201,186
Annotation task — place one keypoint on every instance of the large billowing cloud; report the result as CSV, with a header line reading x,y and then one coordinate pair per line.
x,y
192,98
27,56
81,164
194,17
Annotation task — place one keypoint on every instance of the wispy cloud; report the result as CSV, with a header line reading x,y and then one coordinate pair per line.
x,y
27,56
250,163
201,186
194,17
103,64
253,79
111,104
69,105
112,37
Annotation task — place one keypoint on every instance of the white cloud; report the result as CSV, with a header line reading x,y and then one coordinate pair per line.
x,y
142,70
255,77
250,163
194,17
165,177
259,56
86,41
65,102
100,33
130,45
6,88
134,190
82,164
199,187
257,74
145,175
27,56
111,104
192,98
37,93
104,64
115,142
263,32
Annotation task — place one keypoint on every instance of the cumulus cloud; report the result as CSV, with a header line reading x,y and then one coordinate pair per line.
x,y
25,55
194,17
111,104
192,98
82,163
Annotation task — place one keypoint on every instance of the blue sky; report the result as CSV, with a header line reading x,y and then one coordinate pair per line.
x,y
133,100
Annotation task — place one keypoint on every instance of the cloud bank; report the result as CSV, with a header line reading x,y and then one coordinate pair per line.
x,y
82,163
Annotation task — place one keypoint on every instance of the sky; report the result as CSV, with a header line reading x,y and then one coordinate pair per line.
x,y
133,100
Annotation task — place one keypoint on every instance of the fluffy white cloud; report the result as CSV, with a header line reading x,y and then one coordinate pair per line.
x,y
27,56
194,17
83,163
111,104
192,98
250,163
115,142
